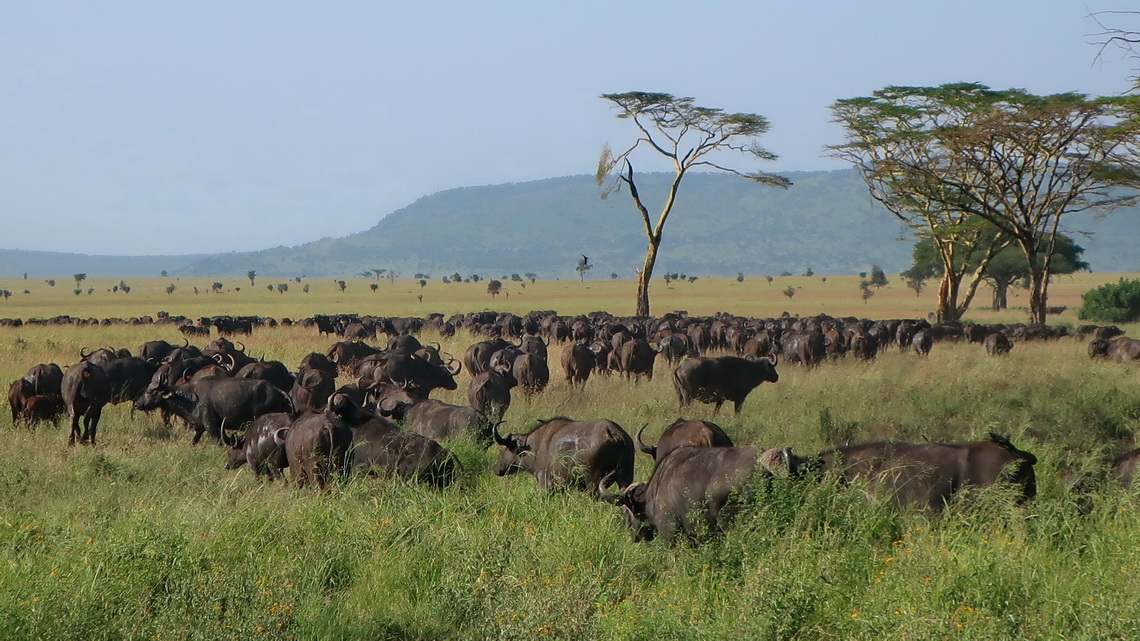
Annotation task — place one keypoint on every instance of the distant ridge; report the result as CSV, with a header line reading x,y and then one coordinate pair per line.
x,y
721,225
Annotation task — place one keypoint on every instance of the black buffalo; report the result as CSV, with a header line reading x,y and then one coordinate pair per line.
x,y
564,452
262,446
681,433
490,391
577,363
928,474
725,378
695,491
212,405
86,390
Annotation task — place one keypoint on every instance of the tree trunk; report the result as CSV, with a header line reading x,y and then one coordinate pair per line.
x,y
1038,295
645,276
947,309
1001,295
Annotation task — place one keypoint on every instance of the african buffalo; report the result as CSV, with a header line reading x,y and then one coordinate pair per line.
x,y
725,378
928,474
273,371
43,407
577,363
86,390
695,491
490,392
636,357
564,452
46,379
997,344
311,389
316,446
19,391
531,373
379,448
211,405
438,420
1120,349
262,446
681,433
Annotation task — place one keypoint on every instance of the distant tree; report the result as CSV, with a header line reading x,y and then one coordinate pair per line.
x,y
878,278
476,278
457,277
305,288
79,278
269,287
341,285
445,279
531,277
613,276
582,267
865,287
915,279
25,278
373,286
297,279
494,287
823,279
785,273
251,275
50,282
90,290
769,279
282,288
790,291
217,287
862,274
421,298
170,288
809,273
1112,303
688,135
740,277
195,291
163,273
6,293
78,291
126,289
693,279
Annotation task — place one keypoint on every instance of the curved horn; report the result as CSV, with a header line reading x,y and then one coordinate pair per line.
x,y
233,363
279,435
606,495
507,442
242,350
83,356
185,342
454,371
648,449
437,345
772,357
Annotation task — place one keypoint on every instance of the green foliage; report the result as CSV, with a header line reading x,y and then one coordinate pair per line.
x,y
878,277
790,291
1112,303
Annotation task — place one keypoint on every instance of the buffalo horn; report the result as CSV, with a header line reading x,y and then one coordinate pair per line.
x,y
772,357
606,495
82,355
454,371
507,442
279,435
648,449
185,342
242,350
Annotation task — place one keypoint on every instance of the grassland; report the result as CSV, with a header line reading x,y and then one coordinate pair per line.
x,y
147,537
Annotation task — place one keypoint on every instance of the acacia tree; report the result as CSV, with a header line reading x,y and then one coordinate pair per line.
x,y
1016,161
892,141
691,137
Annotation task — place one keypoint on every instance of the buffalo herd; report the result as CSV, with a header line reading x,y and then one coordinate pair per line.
x,y
383,422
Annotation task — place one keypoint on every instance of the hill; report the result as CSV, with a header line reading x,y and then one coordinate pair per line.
x,y
721,225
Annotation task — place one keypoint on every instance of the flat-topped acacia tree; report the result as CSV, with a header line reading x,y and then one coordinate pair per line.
x,y
690,136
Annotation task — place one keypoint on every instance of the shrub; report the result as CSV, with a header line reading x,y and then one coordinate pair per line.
x,y
1112,303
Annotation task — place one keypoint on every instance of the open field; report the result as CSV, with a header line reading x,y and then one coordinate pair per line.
x,y
147,537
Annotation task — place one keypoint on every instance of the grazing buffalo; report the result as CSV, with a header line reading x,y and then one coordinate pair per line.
x,y
577,363
19,392
681,433
438,420
928,474
1120,349
695,491
921,342
273,371
531,373
86,390
490,392
997,344
316,446
564,452
311,389
129,377
636,358
43,407
419,375
46,379
379,448
725,378
262,446
477,359
211,405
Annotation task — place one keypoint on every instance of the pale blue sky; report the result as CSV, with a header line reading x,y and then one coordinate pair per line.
x,y
161,127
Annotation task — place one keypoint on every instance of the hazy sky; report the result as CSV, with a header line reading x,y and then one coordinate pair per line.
x,y
159,127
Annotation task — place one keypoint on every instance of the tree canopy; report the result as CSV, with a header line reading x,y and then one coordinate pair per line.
x,y
691,137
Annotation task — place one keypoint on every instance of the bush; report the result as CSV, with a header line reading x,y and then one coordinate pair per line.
x,y
1112,303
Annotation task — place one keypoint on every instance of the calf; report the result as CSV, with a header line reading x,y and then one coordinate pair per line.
x,y
43,407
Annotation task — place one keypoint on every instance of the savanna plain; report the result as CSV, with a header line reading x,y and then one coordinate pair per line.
x,y
146,537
